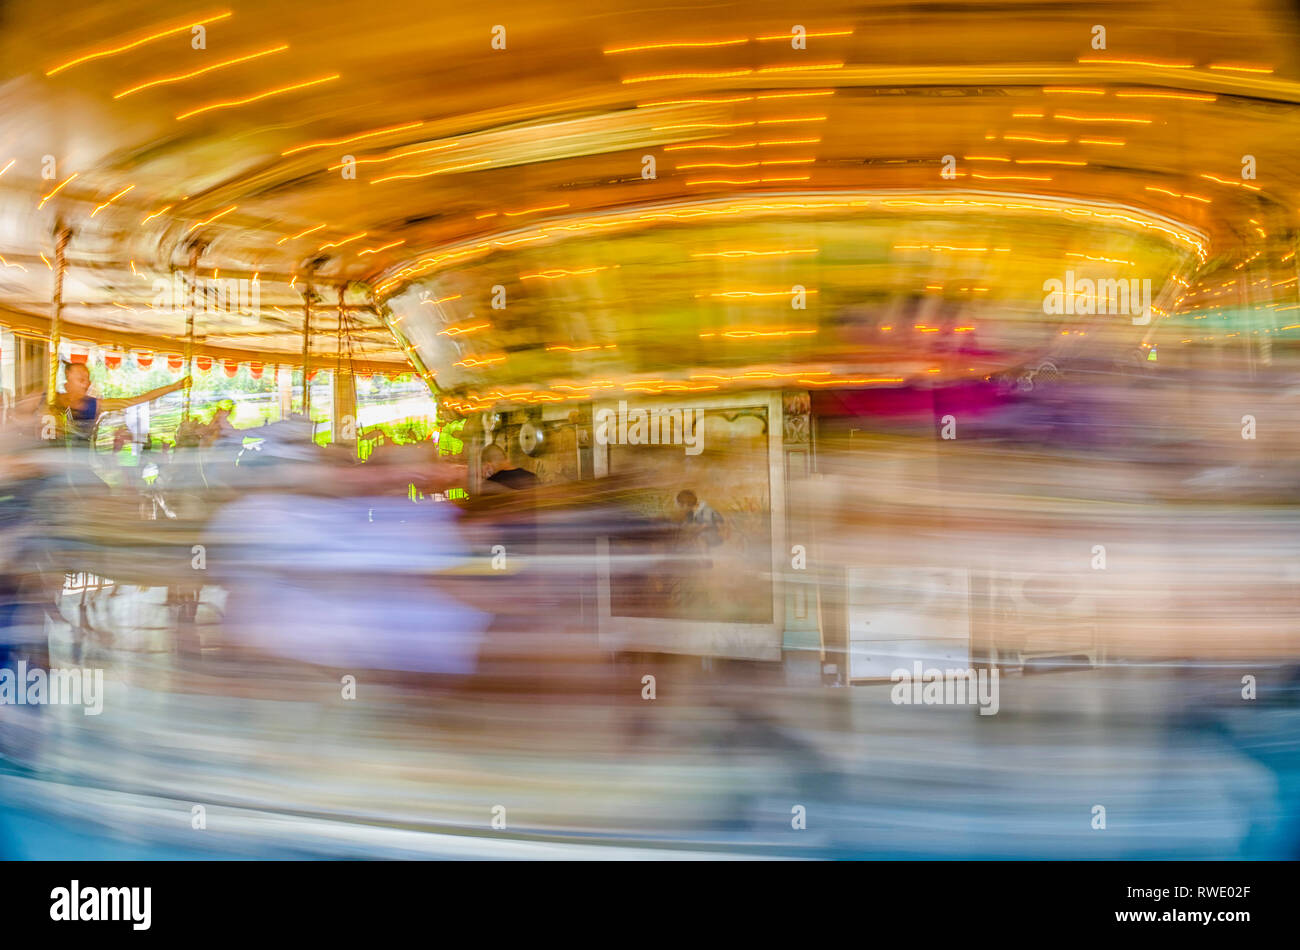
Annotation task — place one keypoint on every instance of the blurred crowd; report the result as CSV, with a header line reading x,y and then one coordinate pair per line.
x,y
272,612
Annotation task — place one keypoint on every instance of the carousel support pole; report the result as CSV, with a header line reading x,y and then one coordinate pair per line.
x,y
192,299
345,389
284,389
306,351
56,314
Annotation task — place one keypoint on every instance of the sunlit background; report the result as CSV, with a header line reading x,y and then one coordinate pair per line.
x,y
973,329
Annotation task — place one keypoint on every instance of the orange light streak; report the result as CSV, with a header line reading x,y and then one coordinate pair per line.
x,y
436,171
57,189
687,44
1190,97
1068,117
294,237
156,213
198,72
354,138
219,214
348,240
515,214
279,90
1097,60
140,42
717,74
111,200
383,247
786,36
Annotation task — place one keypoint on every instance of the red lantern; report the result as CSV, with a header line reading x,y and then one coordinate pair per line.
x,y
255,370
112,360
174,362
232,368
204,363
78,356
144,360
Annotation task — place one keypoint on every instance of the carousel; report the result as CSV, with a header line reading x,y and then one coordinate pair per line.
x,y
775,231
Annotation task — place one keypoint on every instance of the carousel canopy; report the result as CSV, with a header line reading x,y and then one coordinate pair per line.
x,y
535,203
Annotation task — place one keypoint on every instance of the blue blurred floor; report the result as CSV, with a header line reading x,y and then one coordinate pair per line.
x,y
1183,766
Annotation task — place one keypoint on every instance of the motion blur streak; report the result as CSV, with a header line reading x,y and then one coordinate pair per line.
x,y
641,461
